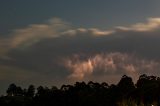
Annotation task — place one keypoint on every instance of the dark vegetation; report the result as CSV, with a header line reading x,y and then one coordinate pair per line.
x,y
146,92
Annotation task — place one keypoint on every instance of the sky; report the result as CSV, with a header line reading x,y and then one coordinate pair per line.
x,y
55,42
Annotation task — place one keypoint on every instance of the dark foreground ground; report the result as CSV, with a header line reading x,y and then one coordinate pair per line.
x,y
146,92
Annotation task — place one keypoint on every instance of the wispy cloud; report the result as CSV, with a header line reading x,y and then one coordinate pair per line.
x,y
36,32
151,25
89,31
56,27
98,32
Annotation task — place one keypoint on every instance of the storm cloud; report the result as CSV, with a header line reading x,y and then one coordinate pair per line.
x,y
57,51
110,64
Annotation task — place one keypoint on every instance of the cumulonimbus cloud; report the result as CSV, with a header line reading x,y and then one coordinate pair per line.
x,y
109,64
112,50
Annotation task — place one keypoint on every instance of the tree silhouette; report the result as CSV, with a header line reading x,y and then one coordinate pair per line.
x,y
14,90
31,90
145,92
126,85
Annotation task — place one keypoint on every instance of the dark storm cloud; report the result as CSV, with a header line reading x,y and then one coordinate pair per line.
x,y
60,52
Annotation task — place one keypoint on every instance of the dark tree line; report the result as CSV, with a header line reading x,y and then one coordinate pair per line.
x,y
146,92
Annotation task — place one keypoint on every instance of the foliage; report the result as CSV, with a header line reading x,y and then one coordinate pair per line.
x,y
146,92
